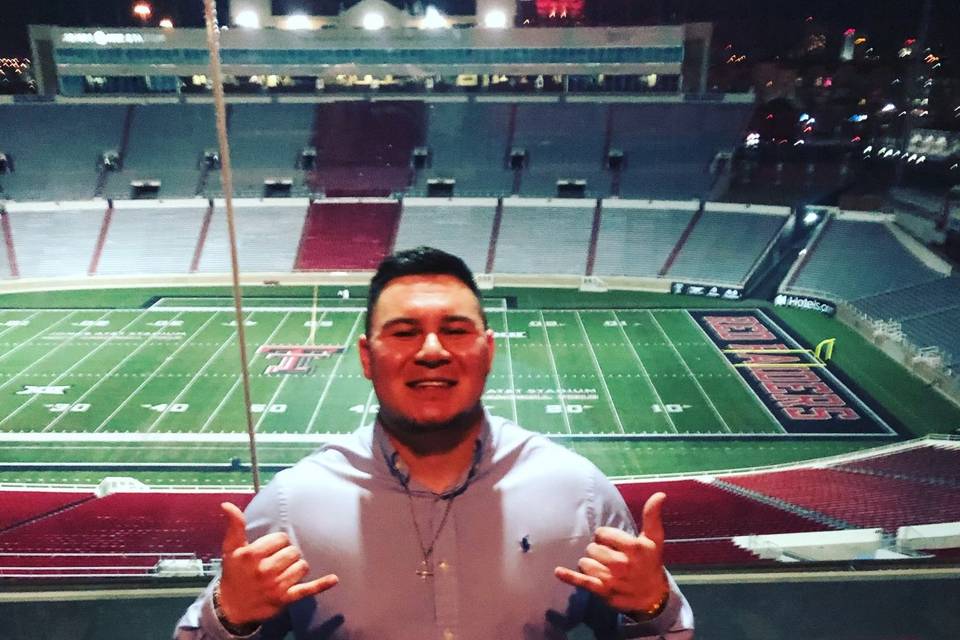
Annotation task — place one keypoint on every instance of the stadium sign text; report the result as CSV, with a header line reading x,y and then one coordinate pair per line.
x,y
104,38
706,291
805,302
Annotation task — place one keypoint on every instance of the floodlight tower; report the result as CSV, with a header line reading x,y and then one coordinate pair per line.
x,y
496,13
250,13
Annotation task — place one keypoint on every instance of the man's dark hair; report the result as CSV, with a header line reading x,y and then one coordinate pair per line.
x,y
415,262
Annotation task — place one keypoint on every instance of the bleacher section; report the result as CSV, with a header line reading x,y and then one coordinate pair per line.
x,y
858,258
265,142
937,329
538,236
166,143
158,240
55,243
859,499
267,237
460,226
19,506
365,148
932,463
469,142
563,142
635,239
726,243
669,147
55,148
347,235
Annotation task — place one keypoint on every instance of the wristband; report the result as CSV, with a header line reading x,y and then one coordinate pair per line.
x,y
234,629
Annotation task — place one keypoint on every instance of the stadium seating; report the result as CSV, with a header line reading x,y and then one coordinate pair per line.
x,y
166,143
19,506
38,565
539,237
267,238
365,148
932,463
635,239
706,552
912,301
154,521
56,242
461,227
937,329
855,258
55,148
562,141
733,240
347,235
153,241
669,147
858,499
469,142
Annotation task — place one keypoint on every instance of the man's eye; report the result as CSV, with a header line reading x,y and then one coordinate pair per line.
x,y
456,331
404,333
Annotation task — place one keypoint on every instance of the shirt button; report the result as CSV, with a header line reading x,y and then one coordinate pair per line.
x,y
447,634
444,566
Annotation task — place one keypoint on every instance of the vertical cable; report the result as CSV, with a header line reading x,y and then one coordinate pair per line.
x,y
213,45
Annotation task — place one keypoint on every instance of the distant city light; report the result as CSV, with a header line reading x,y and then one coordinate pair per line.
x,y
248,19
298,21
753,139
887,108
858,117
373,21
166,23
495,19
433,19
142,10
804,117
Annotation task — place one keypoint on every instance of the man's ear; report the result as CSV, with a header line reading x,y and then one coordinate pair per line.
x,y
363,348
491,348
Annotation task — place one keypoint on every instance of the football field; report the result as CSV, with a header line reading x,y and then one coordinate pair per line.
x,y
172,367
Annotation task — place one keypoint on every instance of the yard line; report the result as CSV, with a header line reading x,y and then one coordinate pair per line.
x,y
19,326
107,375
196,376
333,374
43,331
735,373
76,364
596,363
556,374
643,370
366,409
236,383
153,374
513,384
313,328
689,372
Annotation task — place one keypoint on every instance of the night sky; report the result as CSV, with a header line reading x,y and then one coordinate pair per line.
x,y
761,28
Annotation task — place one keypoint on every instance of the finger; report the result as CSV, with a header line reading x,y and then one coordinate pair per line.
x,y
577,579
604,554
269,544
293,574
652,524
236,535
615,539
280,561
598,570
312,588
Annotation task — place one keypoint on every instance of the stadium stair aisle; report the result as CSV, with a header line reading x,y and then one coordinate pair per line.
x,y
347,235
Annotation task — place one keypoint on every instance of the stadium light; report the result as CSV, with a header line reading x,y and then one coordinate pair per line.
x,y
248,19
142,11
373,21
166,23
495,19
433,19
298,21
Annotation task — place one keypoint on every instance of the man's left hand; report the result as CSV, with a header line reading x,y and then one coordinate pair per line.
x,y
626,571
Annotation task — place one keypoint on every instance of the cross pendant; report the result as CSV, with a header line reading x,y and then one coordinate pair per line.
x,y
424,571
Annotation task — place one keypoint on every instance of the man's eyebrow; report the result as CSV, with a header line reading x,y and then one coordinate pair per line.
x,y
395,321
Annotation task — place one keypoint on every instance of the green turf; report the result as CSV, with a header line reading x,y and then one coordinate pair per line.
x,y
619,359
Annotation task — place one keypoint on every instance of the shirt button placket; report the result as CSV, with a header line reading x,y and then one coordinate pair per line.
x,y
446,591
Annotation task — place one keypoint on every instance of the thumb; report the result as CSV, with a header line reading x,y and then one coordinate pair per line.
x,y
652,524
236,535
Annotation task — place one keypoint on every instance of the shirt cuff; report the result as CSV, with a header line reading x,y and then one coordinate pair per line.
x,y
211,624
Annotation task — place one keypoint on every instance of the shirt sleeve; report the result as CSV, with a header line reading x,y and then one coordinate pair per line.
x,y
675,622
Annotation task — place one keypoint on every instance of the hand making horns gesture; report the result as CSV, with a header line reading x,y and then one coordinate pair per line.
x,y
262,577
626,571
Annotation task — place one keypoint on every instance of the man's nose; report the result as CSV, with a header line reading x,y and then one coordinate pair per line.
x,y
432,352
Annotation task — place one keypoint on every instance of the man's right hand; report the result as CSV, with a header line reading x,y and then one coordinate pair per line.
x,y
262,577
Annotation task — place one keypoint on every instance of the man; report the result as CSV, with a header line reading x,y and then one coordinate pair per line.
x,y
441,521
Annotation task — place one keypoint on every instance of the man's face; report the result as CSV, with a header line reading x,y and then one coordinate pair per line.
x,y
427,354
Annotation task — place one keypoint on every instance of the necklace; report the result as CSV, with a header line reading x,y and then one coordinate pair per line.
x,y
426,565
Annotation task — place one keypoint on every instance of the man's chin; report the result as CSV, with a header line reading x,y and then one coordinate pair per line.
x,y
425,424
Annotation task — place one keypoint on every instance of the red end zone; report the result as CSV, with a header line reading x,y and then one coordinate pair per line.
x,y
807,399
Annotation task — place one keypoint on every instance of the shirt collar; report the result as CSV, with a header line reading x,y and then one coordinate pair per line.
x,y
400,472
